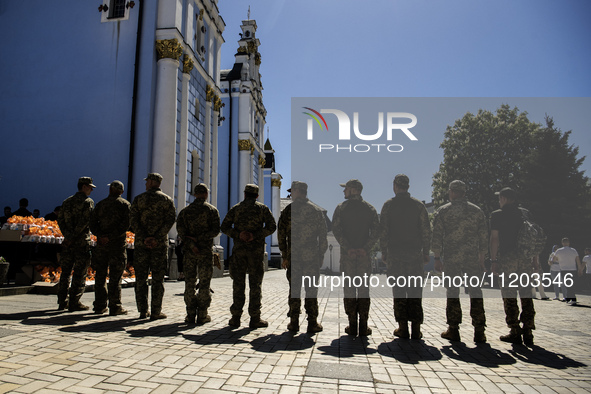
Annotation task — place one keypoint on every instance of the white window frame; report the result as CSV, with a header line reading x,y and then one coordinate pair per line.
x,y
111,6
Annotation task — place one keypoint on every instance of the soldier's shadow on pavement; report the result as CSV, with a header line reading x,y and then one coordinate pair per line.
x,y
221,336
483,354
347,346
287,341
540,356
160,330
104,325
30,314
61,319
409,351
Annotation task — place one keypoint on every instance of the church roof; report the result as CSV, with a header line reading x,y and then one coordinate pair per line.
x,y
268,145
233,74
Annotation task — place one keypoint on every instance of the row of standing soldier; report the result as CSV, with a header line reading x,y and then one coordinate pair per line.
x,y
404,232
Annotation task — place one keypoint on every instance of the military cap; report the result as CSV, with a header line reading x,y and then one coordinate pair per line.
x,y
86,180
201,188
297,185
354,183
154,176
401,180
457,186
250,188
508,193
117,185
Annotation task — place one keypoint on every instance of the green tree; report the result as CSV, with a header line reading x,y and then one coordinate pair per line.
x,y
555,190
491,151
487,152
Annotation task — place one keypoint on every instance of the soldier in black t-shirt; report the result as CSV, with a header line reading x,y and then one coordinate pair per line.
x,y
505,224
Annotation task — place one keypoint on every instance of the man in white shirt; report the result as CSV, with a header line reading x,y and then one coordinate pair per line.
x,y
570,266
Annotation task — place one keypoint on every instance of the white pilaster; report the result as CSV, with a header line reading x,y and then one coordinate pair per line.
x,y
207,154
182,187
165,111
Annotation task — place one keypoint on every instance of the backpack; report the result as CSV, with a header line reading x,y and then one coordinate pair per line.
x,y
531,238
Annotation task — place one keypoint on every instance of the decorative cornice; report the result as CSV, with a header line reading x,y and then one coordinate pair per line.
x,y
242,50
276,183
245,145
187,64
252,47
169,49
209,93
257,59
262,161
217,103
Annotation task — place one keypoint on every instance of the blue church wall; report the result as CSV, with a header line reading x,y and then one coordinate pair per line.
x,y
65,109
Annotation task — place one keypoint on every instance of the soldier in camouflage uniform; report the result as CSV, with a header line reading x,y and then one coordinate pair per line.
x,y
405,242
460,234
355,226
248,223
109,222
505,224
197,225
74,219
302,249
152,216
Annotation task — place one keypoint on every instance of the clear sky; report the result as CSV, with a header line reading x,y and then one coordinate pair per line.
x,y
414,48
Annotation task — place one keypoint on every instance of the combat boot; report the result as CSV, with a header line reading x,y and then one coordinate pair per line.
x,y
62,305
479,335
157,316
314,326
402,330
117,311
258,323
78,306
528,337
144,314
190,318
294,324
234,321
364,330
452,333
514,336
100,311
416,331
351,329
203,318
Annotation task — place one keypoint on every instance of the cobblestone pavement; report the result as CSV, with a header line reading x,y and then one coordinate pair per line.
x,y
46,351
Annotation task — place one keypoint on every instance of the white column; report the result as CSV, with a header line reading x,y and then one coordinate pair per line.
x,y
207,154
165,112
214,159
184,137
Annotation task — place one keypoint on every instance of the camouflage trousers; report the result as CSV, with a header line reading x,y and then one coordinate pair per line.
x,y
295,289
111,262
515,264
249,262
453,309
201,266
355,298
77,258
146,261
408,299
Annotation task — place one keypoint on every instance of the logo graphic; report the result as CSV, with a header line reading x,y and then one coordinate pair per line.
x,y
387,125
316,119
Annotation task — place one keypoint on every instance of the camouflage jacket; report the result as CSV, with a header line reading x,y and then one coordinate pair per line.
x,y
74,218
404,226
252,216
460,232
111,219
152,215
201,221
302,232
355,224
